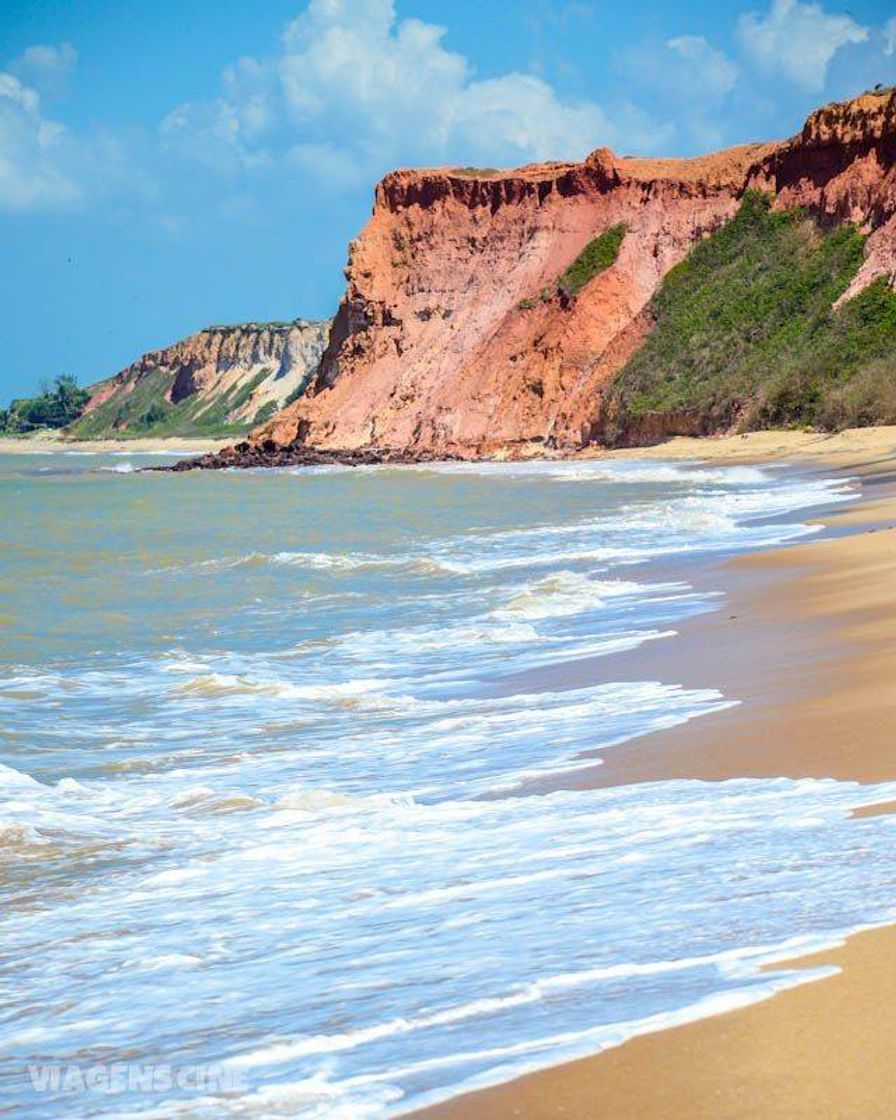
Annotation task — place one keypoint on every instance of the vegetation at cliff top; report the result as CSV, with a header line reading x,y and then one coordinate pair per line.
x,y
476,172
746,334
272,325
55,407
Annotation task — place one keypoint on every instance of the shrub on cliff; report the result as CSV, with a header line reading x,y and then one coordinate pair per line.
x,y
155,414
746,334
147,410
264,413
597,256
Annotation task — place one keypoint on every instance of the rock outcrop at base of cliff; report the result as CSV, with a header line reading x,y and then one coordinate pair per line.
x,y
457,335
219,379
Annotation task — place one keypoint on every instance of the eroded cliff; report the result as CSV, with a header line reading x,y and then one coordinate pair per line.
x,y
456,334
219,379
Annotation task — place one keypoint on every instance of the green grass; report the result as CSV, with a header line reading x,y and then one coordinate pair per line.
x,y
146,411
266,411
746,335
597,256
236,402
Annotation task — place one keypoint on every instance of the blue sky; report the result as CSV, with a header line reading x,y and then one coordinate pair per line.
x,y
168,165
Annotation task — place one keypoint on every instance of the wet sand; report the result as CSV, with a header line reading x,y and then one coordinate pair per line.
x,y
822,1051
807,640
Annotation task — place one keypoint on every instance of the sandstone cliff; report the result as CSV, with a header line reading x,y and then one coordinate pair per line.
x,y
456,335
219,379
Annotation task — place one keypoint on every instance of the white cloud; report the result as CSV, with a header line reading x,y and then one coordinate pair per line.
x,y
890,36
43,164
687,80
709,71
46,66
354,91
797,40
32,151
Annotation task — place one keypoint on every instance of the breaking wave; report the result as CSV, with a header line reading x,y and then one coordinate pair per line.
x,y
333,761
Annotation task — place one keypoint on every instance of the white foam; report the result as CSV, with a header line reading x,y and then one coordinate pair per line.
x,y
631,471
567,593
294,802
327,560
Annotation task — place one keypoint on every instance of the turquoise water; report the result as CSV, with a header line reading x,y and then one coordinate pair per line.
x,y
267,801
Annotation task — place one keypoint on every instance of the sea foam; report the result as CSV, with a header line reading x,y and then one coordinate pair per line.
x,y
309,753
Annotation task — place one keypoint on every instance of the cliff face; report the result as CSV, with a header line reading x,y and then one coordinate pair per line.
x,y
842,166
455,335
222,377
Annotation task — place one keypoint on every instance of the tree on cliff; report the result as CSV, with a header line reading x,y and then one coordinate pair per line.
x,y
56,406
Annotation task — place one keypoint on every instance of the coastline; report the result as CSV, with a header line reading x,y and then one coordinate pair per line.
x,y
818,702
175,445
842,449
769,619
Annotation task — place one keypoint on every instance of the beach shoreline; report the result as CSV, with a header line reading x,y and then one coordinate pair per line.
x,y
847,449
45,445
833,450
817,703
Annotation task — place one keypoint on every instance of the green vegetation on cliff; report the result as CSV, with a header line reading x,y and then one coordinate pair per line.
x,y
746,334
146,411
597,256
476,172
55,407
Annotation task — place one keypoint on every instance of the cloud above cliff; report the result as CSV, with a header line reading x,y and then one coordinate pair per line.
x,y
34,151
350,90
889,34
710,71
44,164
783,52
354,90
797,40
690,79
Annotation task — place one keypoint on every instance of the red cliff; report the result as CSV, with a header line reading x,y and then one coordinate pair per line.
x,y
454,336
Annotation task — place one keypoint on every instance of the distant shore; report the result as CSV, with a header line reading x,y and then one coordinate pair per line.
x,y
44,444
805,641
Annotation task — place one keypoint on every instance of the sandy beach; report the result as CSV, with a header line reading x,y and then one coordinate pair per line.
x,y
848,448
804,640
843,449
26,445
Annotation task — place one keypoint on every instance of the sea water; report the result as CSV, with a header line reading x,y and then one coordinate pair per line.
x,y
285,795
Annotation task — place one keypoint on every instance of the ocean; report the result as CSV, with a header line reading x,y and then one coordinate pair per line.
x,y
289,799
